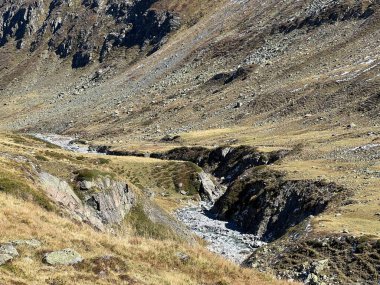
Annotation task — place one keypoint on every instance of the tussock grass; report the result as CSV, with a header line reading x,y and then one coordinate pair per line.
x,y
141,260
15,185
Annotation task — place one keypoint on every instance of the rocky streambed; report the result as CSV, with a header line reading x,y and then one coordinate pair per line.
x,y
221,237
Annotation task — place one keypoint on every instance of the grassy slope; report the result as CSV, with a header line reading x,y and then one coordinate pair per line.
x,y
324,153
136,260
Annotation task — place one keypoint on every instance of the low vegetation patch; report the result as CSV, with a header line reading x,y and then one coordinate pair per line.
x,y
13,185
90,174
144,227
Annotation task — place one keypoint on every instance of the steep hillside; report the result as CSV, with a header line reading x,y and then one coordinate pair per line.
x,y
208,66
259,117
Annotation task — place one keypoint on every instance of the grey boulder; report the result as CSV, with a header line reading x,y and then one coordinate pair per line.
x,y
4,258
7,253
66,256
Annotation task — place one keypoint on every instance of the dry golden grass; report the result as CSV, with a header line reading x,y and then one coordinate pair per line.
x,y
148,261
142,173
314,160
135,260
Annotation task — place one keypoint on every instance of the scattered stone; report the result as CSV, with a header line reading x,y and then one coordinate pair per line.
x,y
220,239
351,126
183,192
8,249
28,242
63,257
345,231
319,266
183,257
313,279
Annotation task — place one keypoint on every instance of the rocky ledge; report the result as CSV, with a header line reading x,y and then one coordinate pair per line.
x,y
101,202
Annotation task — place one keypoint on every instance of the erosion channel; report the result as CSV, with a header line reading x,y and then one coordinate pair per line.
x,y
223,237
246,204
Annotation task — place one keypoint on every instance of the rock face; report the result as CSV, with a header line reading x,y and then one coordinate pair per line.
x,y
208,188
63,257
103,203
111,201
19,20
85,32
226,163
321,260
265,204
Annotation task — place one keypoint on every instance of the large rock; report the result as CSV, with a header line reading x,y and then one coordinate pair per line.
x,y
7,253
208,187
106,206
111,202
63,257
9,249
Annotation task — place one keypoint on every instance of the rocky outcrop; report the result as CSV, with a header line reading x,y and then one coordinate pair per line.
x,y
81,59
321,12
226,78
102,203
264,203
107,199
63,257
19,21
321,260
208,189
226,163
76,33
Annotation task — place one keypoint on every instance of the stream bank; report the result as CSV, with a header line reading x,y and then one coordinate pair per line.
x,y
261,204
222,237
